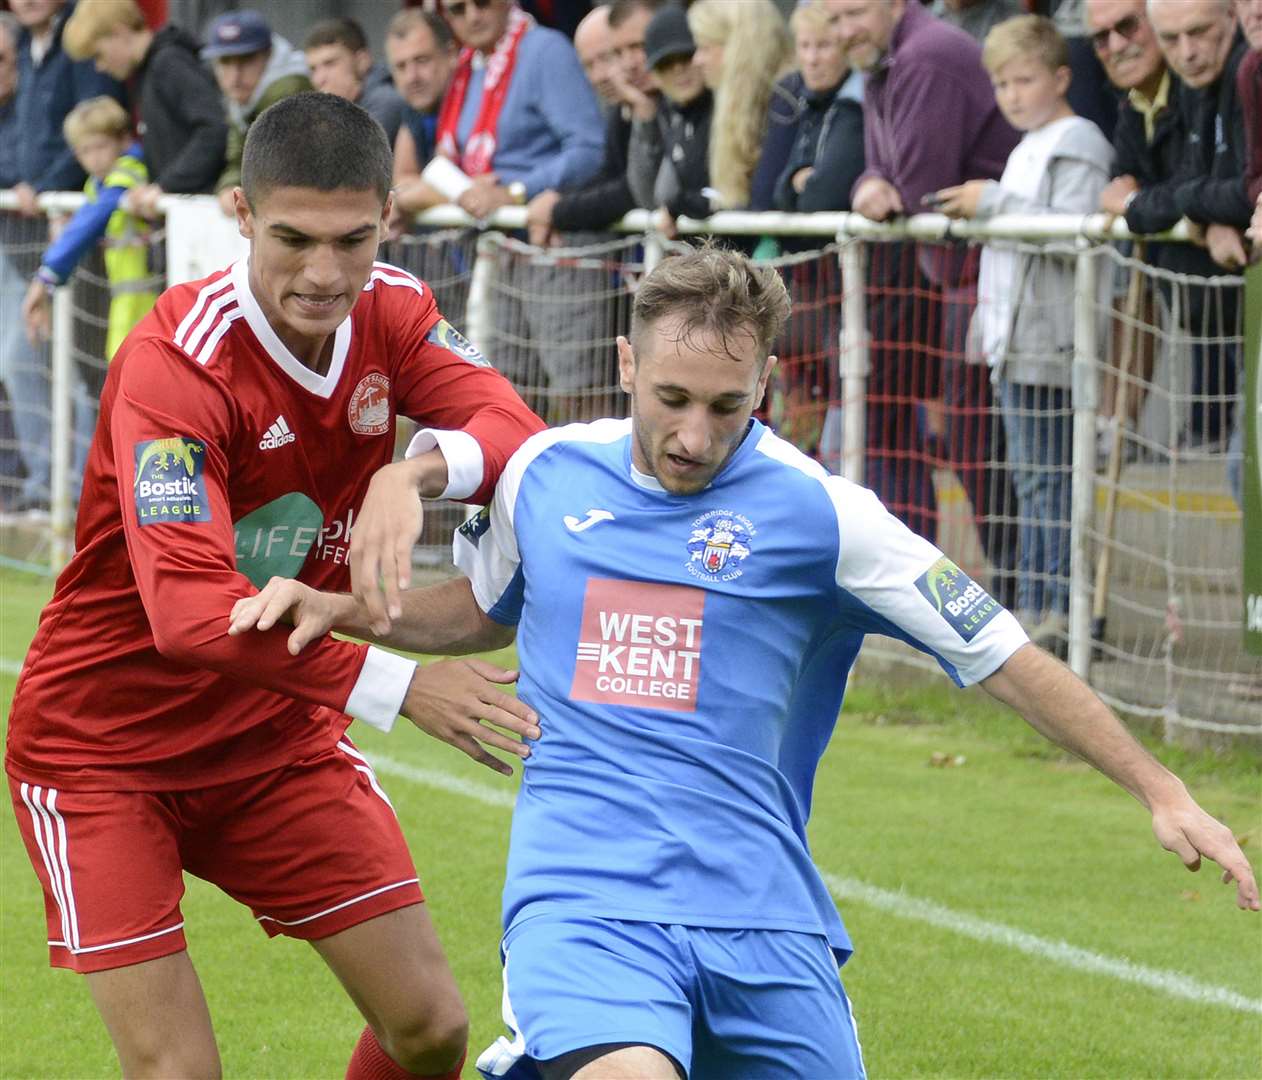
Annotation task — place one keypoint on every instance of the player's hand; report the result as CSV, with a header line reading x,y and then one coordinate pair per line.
x,y
386,529
457,701
310,612
36,312
962,200
877,199
1191,833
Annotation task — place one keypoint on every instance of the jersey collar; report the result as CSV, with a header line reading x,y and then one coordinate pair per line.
x,y
753,432
320,385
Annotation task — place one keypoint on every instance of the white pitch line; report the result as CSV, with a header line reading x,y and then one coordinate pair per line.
x,y
1060,952
10,667
1172,983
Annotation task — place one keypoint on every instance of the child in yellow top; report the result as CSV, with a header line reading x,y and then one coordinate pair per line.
x,y
99,132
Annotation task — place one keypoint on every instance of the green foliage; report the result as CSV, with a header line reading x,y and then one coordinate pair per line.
x,y
947,799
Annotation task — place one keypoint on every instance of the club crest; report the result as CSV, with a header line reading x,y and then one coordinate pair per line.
x,y
368,411
719,545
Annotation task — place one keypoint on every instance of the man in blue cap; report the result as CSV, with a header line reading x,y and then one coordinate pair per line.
x,y
255,68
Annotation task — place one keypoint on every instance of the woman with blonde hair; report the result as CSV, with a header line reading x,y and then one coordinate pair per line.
x,y
742,49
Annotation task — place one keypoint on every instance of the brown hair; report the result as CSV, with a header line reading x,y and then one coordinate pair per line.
x,y
408,19
92,21
716,291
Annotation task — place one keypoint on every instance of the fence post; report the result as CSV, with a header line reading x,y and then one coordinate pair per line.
x,y
1082,507
654,249
62,390
478,322
854,358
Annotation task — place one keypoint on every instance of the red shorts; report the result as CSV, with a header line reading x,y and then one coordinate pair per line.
x,y
312,849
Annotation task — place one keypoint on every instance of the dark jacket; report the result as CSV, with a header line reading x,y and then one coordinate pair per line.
x,y
1214,188
607,196
46,93
180,115
674,166
829,139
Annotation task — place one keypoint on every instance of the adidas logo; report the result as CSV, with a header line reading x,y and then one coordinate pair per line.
x,y
277,435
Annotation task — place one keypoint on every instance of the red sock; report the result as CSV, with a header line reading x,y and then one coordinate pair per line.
x,y
370,1062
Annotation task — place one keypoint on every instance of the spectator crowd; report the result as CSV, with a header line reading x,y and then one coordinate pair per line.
x,y
1150,110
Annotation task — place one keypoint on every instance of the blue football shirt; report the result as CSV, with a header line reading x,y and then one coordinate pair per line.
x,y
687,656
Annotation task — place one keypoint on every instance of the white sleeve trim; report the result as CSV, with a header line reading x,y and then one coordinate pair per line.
x,y
463,453
378,694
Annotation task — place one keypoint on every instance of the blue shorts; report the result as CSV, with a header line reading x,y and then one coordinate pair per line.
x,y
764,1004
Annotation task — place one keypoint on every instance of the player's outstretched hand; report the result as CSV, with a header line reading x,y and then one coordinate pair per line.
x,y
282,600
386,530
457,701
1191,833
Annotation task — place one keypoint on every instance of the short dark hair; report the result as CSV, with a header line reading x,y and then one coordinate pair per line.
x,y
339,30
319,141
715,291
621,10
408,19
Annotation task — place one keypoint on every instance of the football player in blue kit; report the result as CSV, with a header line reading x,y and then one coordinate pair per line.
x,y
688,593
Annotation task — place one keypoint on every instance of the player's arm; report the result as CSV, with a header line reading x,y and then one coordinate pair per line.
x,y
916,593
452,700
1065,710
472,421
443,619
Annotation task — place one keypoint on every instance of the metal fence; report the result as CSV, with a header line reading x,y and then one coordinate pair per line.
x,y
1097,503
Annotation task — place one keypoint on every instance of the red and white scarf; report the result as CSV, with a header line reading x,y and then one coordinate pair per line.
x,y
479,148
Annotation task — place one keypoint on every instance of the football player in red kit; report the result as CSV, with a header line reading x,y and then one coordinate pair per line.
x,y
240,425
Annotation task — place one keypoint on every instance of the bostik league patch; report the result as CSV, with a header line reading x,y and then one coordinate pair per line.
x,y
446,336
964,604
168,485
475,527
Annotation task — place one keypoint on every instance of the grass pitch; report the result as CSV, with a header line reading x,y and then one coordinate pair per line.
x,y
1012,915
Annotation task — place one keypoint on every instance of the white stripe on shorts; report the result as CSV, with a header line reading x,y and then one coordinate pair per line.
x,y
343,904
46,838
365,767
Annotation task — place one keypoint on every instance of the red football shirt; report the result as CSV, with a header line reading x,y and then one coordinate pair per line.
x,y
219,460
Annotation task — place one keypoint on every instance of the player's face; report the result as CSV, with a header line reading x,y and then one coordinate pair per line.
x,y
691,400
865,28
1028,92
335,69
310,255
1195,38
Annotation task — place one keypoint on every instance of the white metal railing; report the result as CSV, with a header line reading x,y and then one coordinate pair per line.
x,y
1086,233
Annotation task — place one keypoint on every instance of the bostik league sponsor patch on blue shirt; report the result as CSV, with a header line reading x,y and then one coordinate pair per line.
x,y
475,527
964,604
168,485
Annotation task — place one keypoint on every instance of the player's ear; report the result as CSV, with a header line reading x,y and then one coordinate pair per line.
x,y
383,228
245,216
626,365
761,389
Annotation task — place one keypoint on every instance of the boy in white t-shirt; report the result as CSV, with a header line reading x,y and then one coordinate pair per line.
x,y
1024,324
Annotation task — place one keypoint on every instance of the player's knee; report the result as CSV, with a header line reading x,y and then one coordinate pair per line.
x,y
429,1042
160,1062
